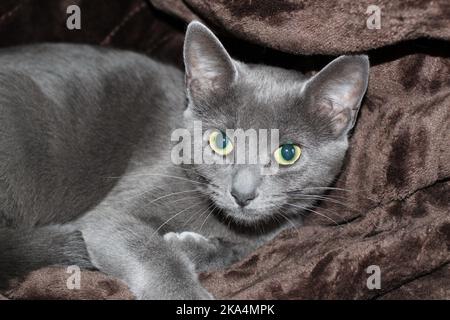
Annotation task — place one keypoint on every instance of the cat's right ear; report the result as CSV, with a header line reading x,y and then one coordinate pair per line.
x,y
209,68
336,92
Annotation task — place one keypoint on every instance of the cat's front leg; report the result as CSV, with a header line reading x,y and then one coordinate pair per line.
x,y
123,246
206,253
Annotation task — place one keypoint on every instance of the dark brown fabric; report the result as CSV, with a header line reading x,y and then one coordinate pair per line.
x,y
51,283
318,27
128,24
391,205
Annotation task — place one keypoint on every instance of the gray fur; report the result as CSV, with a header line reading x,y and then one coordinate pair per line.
x,y
85,145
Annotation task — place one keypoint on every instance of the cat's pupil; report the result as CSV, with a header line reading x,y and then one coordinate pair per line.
x,y
288,151
221,140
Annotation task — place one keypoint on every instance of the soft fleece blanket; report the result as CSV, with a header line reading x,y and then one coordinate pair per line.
x,y
391,202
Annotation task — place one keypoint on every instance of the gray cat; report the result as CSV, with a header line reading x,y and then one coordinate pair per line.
x,y
87,178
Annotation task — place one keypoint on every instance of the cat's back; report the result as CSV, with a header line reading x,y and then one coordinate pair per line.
x,y
71,116
54,67
43,57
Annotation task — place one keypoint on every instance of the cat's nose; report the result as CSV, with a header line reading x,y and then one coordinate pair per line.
x,y
243,199
244,185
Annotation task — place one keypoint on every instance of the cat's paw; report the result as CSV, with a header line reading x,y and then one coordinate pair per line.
x,y
196,247
191,243
185,236
204,253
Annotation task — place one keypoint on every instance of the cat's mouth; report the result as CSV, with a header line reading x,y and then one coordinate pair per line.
x,y
248,221
247,216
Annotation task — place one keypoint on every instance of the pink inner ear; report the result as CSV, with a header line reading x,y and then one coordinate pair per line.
x,y
325,108
341,121
339,117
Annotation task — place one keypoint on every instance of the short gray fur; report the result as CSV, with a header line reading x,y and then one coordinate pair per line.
x,y
85,146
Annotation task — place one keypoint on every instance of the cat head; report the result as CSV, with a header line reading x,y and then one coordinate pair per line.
x,y
313,118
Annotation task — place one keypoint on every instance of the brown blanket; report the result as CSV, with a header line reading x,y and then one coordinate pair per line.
x,y
390,207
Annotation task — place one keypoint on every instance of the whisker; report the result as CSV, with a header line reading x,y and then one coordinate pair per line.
x,y
171,218
196,214
206,217
290,221
334,213
328,188
171,194
186,198
149,190
335,189
333,196
324,198
164,197
313,211
328,198
158,175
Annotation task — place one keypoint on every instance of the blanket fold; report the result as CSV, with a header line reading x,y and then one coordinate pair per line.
x,y
319,27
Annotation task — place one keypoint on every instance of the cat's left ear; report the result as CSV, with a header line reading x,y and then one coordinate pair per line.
x,y
209,68
337,90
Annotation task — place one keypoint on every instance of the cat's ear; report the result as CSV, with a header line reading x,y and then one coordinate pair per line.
x,y
209,68
337,90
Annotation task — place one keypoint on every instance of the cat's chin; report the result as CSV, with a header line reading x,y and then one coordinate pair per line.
x,y
248,217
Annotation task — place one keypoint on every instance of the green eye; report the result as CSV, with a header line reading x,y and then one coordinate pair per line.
x,y
287,154
220,143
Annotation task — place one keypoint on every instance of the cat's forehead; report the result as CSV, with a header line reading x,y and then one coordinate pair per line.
x,y
264,97
267,97
268,84
268,90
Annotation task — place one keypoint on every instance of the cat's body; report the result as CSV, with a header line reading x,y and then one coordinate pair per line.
x,y
85,141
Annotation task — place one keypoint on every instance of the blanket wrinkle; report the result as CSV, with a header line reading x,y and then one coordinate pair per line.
x,y
127,18
318,27
391,200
